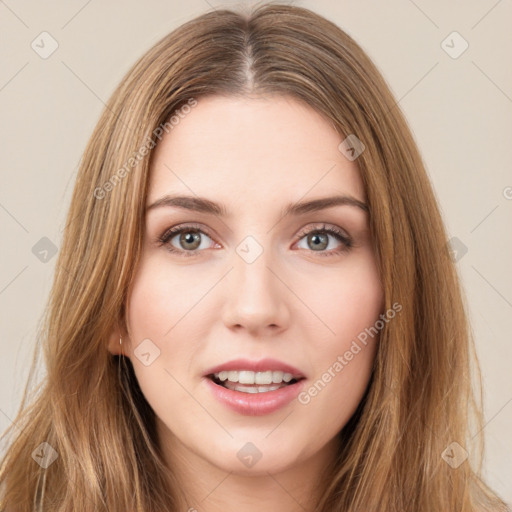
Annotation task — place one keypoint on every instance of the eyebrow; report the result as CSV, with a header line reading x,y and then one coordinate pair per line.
x,y
203,205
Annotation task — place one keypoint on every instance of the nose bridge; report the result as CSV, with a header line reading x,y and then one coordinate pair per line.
x,y
256,298
251,266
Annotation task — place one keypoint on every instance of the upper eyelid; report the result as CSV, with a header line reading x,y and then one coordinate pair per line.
x,y
345,240
312,227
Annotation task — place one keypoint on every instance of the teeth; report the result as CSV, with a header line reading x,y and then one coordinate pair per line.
x,y
251,389
278,376
233,376
248,377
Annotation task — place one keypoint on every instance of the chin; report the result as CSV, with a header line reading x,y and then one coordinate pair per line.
x,y
255,456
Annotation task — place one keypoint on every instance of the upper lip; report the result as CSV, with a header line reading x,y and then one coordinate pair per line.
x,y
256,366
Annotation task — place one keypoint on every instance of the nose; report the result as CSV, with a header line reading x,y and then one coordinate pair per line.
x,y
256,297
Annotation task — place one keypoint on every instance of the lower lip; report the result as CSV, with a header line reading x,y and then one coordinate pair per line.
x,y
255,404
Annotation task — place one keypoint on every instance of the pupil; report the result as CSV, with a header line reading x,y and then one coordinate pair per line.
x,y
190,238
317,241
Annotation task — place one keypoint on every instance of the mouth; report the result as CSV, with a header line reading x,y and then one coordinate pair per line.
x,y
247,381
254,388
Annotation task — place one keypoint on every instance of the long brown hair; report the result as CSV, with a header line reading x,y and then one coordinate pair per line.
x,y
89,408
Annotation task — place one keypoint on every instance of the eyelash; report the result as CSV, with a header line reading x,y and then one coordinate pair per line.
x,y
169,234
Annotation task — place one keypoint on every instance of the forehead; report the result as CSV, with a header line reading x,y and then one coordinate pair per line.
x,y
243,151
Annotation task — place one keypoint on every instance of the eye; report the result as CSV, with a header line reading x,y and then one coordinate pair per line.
x,y
188,240
187,243
317,239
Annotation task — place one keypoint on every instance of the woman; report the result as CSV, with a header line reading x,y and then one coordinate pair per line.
x,y
254,305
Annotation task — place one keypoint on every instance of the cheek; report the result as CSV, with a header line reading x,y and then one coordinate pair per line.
x,y
159,307
157,325
347,300
160,300
349,306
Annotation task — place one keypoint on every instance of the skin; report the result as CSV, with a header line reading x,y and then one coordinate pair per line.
x,y
254,155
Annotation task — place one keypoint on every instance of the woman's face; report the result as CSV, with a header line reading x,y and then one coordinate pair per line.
x,y
253,277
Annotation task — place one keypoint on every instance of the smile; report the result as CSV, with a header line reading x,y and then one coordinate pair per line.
x,y
247,381
254,399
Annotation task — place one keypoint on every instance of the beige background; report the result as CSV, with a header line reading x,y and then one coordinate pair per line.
x,y
460,111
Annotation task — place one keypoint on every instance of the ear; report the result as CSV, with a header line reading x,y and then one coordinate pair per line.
x,y
113,344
